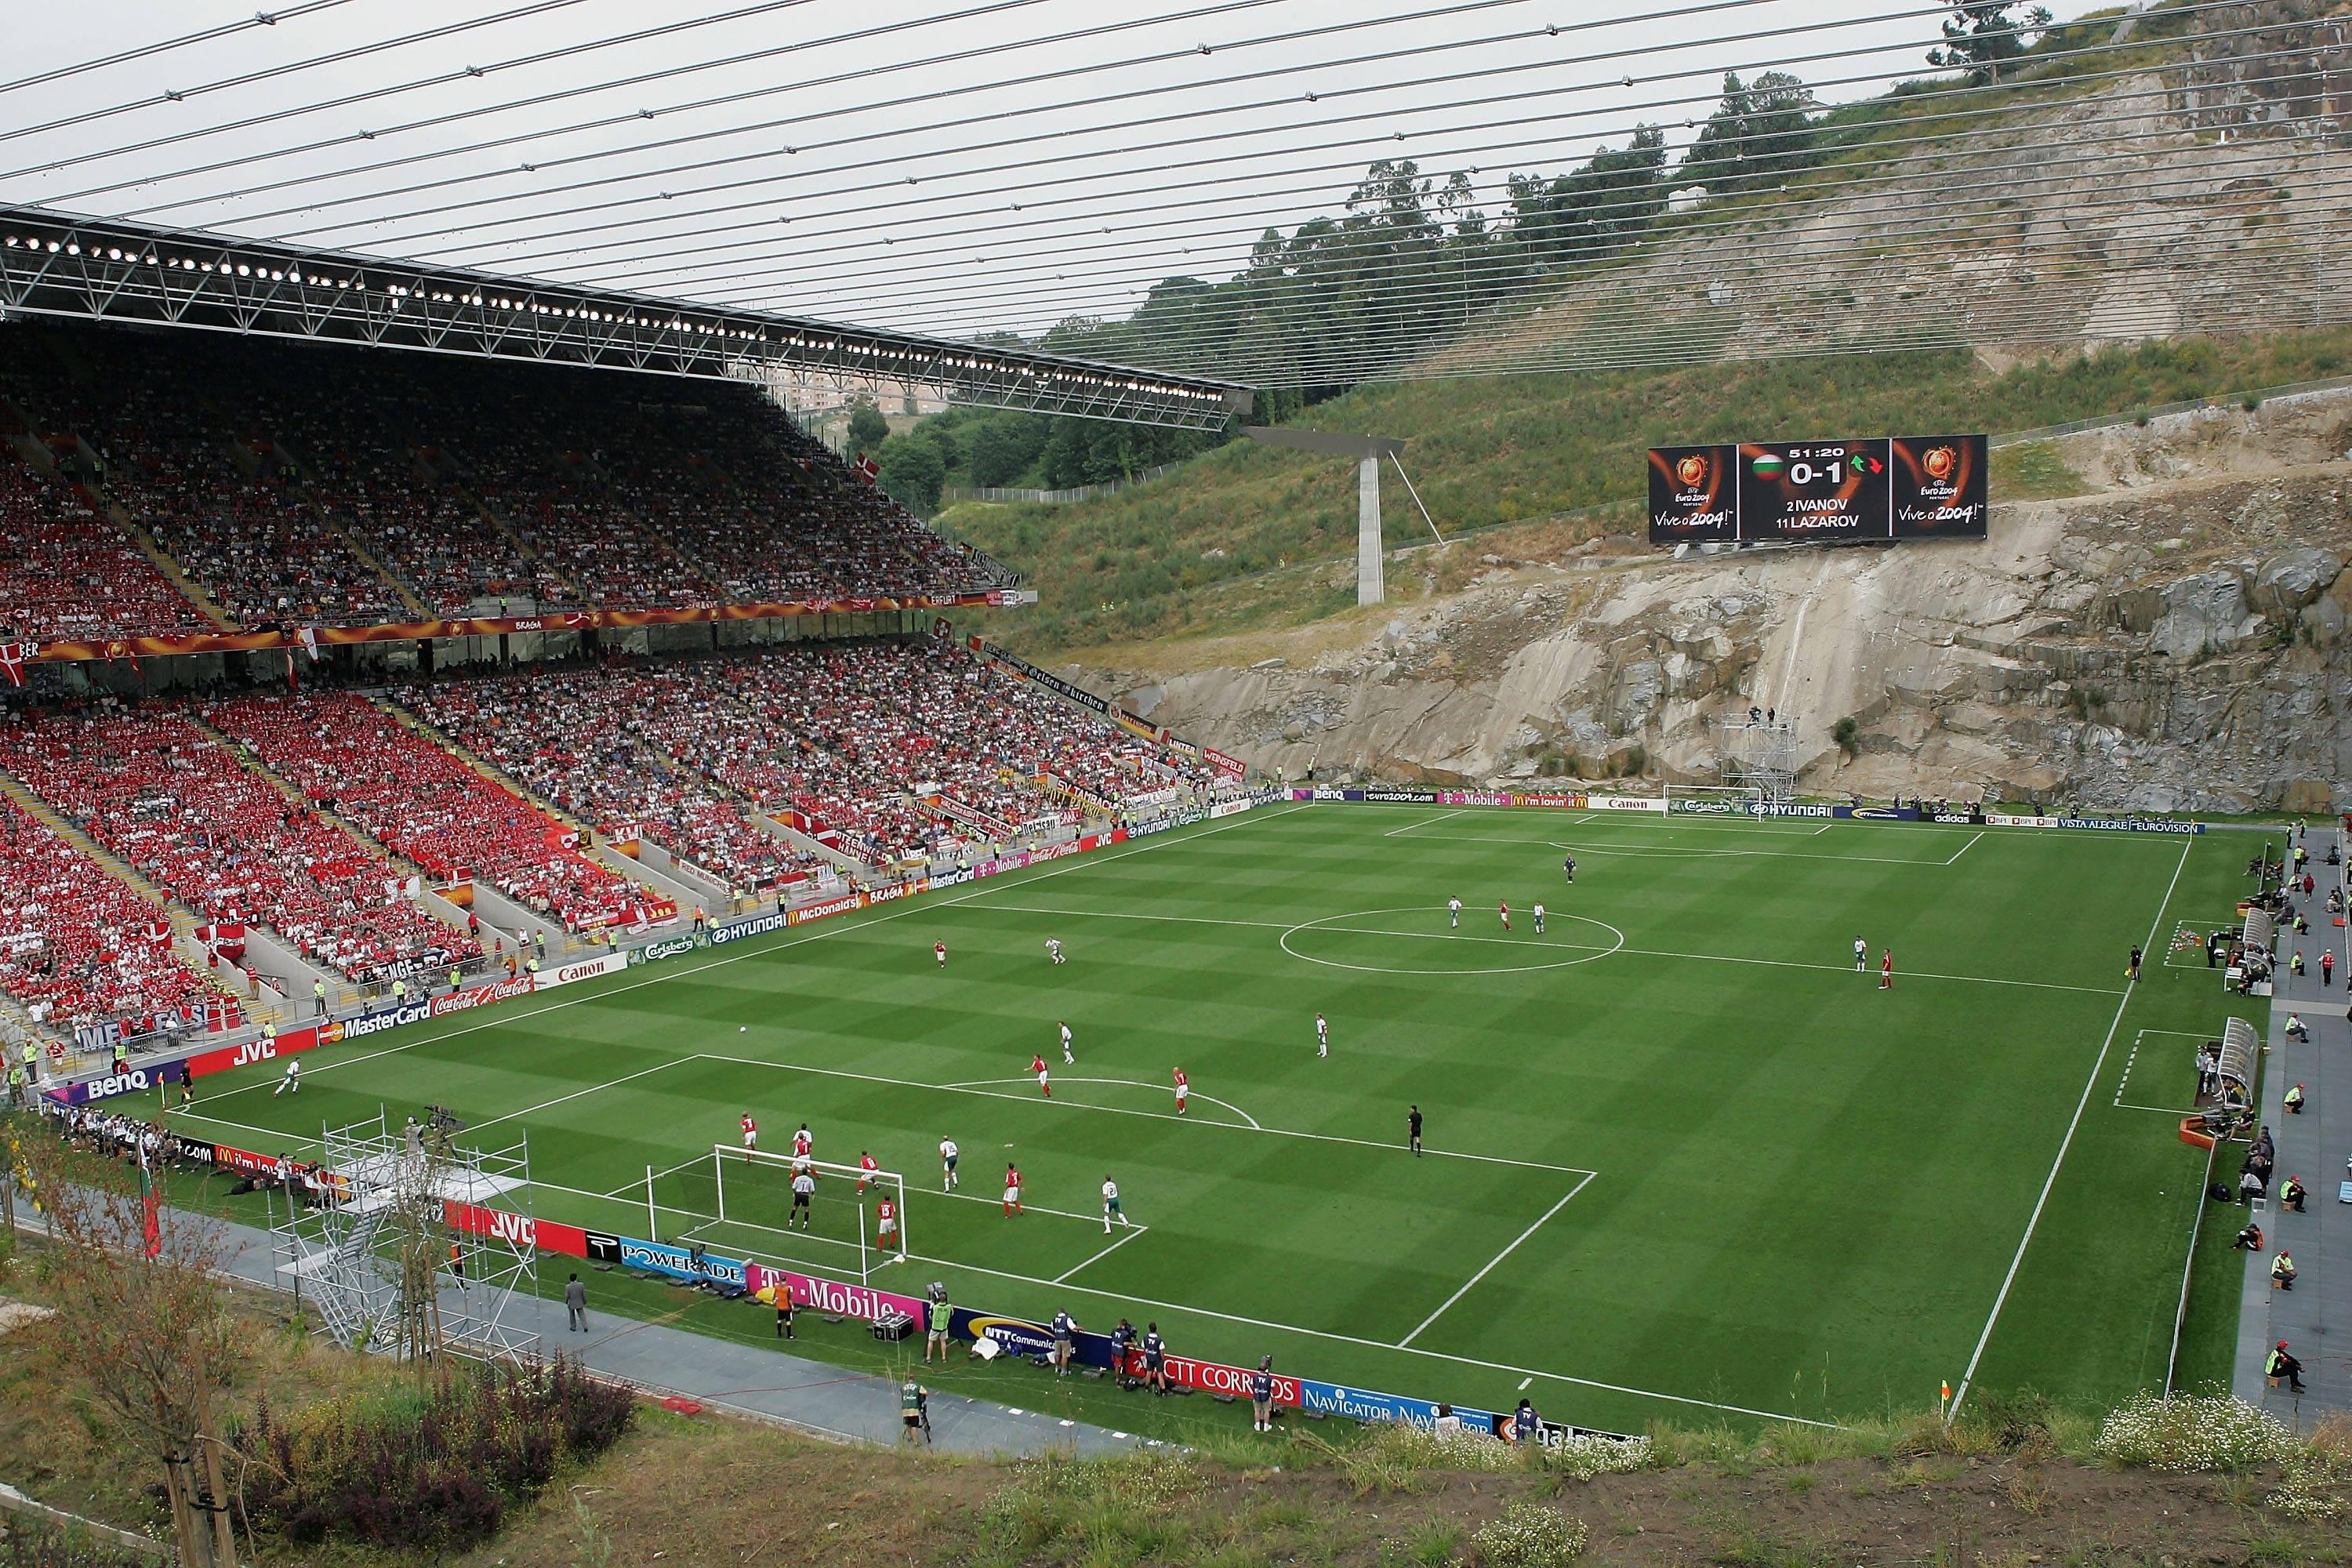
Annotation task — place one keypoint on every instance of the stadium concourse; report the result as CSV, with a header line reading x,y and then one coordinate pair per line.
x,y
230,836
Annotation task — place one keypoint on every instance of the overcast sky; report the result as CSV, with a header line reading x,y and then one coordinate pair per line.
x,y
936,165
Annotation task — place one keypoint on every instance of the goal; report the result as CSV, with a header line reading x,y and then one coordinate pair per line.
x,y
751,1194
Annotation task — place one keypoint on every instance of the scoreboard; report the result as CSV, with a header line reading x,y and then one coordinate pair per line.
x,y
1828,491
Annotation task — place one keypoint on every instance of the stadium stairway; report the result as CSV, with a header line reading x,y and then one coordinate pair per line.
x,y
284,960
494,907
174,572
522,546
2315,1317
182,922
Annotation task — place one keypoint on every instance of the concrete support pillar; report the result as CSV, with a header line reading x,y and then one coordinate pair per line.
x,y
1369,588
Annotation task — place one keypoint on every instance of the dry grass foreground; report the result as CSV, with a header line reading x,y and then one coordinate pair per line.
x,y
2014,1486
721,1494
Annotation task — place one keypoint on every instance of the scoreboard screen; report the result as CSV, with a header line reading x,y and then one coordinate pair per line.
x,y
1822,491
1826,491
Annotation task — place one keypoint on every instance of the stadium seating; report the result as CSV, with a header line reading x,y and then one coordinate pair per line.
x,y
155,788
76,945
618,748
67,574
423,802
326,484
254,542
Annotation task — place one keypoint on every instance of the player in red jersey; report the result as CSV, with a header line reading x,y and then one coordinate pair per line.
x,y
940,950
1887,971
885,1226
1504,911
750,1132
804,1145
865,1169
1183,1087
1012,1190
1038,1066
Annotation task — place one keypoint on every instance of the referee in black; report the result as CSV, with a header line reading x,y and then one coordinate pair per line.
x,y
1412,1129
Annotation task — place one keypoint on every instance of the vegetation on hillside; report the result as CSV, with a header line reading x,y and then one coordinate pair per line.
x,y
1493,450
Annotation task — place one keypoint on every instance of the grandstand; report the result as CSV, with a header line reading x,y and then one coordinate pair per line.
x,y
396,665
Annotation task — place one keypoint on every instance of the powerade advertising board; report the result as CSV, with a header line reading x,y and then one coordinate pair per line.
x,y
1838,490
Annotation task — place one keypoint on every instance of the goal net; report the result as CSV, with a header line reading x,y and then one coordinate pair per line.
x,y
741,1200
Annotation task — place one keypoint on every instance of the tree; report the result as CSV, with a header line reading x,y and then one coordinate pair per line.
x,y
996,450
913,473
1756,138
1982,37
867,429
145,1335
1599,207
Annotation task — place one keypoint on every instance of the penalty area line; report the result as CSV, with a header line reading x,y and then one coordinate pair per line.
x,y
1105,1252
1406,1342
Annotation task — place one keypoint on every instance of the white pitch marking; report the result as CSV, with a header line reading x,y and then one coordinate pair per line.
x,y
1424,822
1965,849
2064,1144
830,928
593,1089
1406,1342
1105,1252
1155,1115
1247,1119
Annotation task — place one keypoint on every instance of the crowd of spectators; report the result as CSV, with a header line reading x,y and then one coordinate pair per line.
x,y
245,532
67,574
156,789
320,483
623,748
421,801
76,946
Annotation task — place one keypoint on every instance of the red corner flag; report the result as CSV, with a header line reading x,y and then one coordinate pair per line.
x,y
150,1228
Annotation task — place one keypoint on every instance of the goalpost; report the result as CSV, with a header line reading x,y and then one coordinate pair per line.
x,y
753,1189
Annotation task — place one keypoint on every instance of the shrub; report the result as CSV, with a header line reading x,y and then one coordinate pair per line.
x,y
1847,733
408,1471
1529,1535
1582,1458
2193,1432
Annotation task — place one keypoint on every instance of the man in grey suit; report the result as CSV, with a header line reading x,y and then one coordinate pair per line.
x,y
575,1305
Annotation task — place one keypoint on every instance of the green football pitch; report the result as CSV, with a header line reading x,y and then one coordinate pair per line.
x,y
1682,1161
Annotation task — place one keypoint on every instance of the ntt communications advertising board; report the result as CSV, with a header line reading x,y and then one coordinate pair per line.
x,y
1835,491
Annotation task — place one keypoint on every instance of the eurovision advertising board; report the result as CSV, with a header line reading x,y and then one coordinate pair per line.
x,y
1836,491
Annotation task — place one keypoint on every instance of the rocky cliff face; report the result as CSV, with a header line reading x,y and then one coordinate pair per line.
x,y
2178,639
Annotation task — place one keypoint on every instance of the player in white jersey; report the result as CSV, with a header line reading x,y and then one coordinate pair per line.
x,y
292,1082
1067,1059
1861,956
1454,913
1053,949
1111,1211
1322,1037
947,1155
1539,915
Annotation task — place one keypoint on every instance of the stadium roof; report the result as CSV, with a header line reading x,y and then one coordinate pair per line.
x,y
53,264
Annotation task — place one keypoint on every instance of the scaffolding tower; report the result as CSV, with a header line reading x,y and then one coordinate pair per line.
x,y
1759,755
409,1242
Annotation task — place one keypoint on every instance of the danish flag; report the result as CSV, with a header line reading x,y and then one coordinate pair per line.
x,y
867,469
12,655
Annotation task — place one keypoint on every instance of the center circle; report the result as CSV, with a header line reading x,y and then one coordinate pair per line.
x,y
1498,945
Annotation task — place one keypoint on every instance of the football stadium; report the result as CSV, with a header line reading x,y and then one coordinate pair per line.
x,y
702,747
